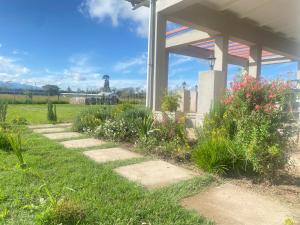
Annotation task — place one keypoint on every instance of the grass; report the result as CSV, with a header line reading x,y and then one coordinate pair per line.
x,y
108,198
37,114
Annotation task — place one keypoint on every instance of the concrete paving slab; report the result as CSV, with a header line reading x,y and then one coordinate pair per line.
x,y
41,126
111,154
154,174
83,143
229,204
49,130
64,135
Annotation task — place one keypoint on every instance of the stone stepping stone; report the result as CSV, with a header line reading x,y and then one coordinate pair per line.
x,y
82,143
49,130
154,174
64,135
233,205
41,126
111,154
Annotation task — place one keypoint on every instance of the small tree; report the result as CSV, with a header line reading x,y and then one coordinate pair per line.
x,y
3,111
52,116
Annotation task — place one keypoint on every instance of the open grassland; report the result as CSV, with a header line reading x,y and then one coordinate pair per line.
x,y
37,113
105,197
36,99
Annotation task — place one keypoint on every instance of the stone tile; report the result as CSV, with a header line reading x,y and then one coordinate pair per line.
x,y
41,126
49,130
110,154
64,135
83,143
153,174
233,205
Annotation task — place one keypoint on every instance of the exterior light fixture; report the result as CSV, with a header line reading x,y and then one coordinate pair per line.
x,y
211,61
184,85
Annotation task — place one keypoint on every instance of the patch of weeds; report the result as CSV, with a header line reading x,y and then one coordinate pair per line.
x,y
4,213
52,211
64,212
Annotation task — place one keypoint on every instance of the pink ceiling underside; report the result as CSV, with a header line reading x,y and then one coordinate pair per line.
x,y
234,48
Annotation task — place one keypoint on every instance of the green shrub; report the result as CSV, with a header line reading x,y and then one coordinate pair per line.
x,y
219,155
170,102
167,138
89,119
3,111
120,108
63,212
255,117
117,130
51,115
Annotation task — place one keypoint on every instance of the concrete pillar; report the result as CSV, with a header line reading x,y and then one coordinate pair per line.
x,y
184,104
211,89
221,53
255,61
161,62
194,101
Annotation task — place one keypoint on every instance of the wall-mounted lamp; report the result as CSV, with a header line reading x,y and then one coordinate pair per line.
x,y
211,61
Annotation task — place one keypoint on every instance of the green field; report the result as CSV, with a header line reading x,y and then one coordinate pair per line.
x,y
37,113
36,99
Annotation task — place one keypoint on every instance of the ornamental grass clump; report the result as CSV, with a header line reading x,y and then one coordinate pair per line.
x,y
3,111
255,116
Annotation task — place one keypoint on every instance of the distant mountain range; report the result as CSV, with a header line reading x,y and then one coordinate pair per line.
x,y
15,85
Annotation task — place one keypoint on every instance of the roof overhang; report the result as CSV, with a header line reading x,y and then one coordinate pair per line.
x,y
273,24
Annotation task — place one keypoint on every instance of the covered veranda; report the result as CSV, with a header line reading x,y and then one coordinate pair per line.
x,y
239,32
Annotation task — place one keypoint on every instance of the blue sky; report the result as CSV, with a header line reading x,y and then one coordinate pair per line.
x,y
74,42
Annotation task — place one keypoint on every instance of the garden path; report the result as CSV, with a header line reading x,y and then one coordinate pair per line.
x,y
227,204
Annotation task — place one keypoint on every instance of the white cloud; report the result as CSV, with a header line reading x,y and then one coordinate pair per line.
x,y
10,69
117,11
127,65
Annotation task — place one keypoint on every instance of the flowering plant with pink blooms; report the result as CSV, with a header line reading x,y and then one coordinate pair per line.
x,y
256,118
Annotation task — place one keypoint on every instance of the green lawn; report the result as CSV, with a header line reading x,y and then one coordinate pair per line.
x,y
107,198
37,114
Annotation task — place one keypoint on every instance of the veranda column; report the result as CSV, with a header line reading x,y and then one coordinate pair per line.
x,y
221,55
255,61
212,84
161,61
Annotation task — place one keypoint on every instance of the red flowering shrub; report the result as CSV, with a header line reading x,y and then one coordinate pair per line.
x,y
256,119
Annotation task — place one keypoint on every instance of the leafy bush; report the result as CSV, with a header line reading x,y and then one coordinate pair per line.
x,y
124,126
255,117
170,103
167,138
51,115
3,111
90,118
117,130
